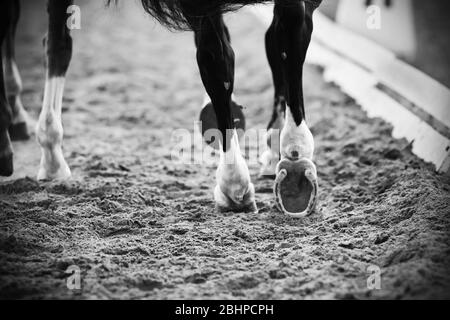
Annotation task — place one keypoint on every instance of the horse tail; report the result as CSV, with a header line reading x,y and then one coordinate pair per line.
x,y
175,14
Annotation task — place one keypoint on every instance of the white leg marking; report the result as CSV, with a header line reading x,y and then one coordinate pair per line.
x,y
234,189
270,157
49,132
296,142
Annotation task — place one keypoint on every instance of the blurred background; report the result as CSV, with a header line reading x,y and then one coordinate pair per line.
x,y
418,31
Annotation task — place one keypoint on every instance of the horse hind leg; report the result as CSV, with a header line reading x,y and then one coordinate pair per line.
x,y
49,130
18,130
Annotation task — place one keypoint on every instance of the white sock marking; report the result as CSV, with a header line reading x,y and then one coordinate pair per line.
x,y
296,139
232,174
49,131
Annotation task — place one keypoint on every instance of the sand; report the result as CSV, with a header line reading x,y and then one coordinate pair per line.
x,y
139,225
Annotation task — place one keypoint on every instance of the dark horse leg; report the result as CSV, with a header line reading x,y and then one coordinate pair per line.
x,y
18,129
270,158
234,190
6,153
49,131
287,42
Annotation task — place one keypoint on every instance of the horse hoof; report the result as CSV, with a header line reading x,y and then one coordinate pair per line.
x,y
6,165
62,173
19,131
225,204
296,187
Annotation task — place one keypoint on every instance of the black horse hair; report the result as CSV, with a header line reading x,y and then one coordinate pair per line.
x,y
176,14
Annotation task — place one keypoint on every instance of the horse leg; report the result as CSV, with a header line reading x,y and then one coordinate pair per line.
x,y
6,153
18,129
234,190
49,130
296,182
271,156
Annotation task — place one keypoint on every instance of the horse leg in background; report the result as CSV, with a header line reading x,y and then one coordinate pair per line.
x,y
234,190
49,130
18,129
271,156
6,152
296,181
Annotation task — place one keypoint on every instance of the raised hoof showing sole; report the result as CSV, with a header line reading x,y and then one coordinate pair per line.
x,y
6,165
296,187
19,132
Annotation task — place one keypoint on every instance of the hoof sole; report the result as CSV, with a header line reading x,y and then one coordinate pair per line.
x,y
296,187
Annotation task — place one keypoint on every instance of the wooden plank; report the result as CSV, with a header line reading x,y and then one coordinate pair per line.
x,y
425,92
